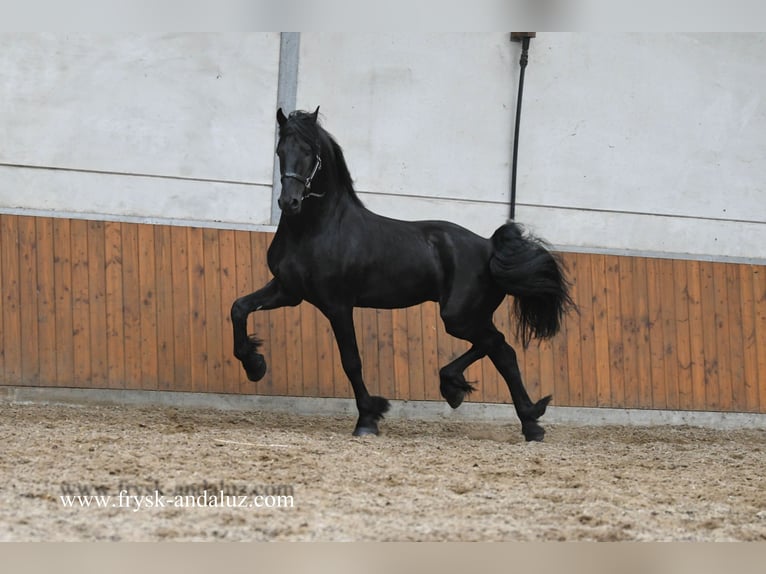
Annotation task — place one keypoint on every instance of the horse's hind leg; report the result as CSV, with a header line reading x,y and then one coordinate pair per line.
x,y
503,357
487,340
452,383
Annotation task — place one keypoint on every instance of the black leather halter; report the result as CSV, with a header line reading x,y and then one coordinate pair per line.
x,y
306,181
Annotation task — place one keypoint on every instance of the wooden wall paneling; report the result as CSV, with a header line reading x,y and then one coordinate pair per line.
x,y
230,367
601,331
133,352
759,296
62,285
148,300
212,329
163,257
683,353
735,320
386,375
630,333
113,302
710,338
697,335
587,347
80,304
97,306
28,299
642,340
655,324
46,301
614,325
197,312
181,304
750,352
574,350
401,354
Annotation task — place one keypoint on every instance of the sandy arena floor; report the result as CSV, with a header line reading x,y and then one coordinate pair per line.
x,y
417,481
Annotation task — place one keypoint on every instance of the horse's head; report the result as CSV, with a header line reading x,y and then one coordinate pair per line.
x,y
299,158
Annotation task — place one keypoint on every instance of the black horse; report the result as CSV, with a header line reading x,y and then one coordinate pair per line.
x,y
334,253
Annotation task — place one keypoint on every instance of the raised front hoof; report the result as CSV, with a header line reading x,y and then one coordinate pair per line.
x,y
366,430
454,389
255,367
532,431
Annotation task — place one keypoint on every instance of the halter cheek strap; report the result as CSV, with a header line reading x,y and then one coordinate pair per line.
x,y
306,181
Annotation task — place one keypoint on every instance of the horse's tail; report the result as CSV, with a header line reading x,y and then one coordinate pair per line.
x,y
523,266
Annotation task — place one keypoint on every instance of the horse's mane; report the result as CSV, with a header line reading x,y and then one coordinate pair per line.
x,y
306,127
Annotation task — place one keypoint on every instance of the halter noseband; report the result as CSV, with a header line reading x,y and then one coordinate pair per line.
x,y
306,181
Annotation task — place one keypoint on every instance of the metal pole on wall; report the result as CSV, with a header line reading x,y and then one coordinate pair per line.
x,y
524,38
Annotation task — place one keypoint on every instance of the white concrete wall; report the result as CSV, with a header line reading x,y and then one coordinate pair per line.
x,y
650,143
630,142
174,127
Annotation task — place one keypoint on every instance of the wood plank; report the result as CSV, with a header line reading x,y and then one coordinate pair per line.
x,y
115,321
46,302
30,351
643,348
430,316
722,321
133,355
81,304
415,346
386,379
601,321
668,289
749,349
163,257
230,367
3,271
367,329
736,338
147,290
759,291
560,345
759,328
655,310
496,386
62,279
697,335
574,338
309,354
683,355
198,364
213,329
710,339
260,320
401,354
11,298
325,357
179,242
614,334
587,330
293,351
630,333
97,292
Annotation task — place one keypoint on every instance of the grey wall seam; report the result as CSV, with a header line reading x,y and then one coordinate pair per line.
x,y
287,90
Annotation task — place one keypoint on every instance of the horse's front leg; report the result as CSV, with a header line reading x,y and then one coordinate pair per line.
x,y
271,296
371,408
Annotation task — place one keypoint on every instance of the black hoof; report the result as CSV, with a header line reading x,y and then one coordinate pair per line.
x,y
255,366
366,431
371,411
533,431
454,389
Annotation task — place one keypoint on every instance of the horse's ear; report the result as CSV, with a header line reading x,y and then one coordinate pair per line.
x,y
315,115
281,119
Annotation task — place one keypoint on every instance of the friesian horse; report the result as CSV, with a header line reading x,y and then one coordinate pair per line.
x,y
336,254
